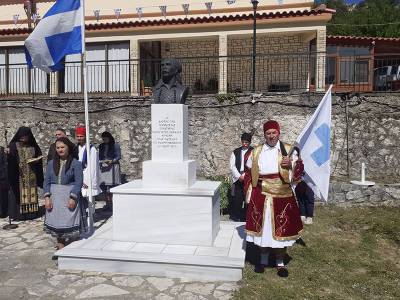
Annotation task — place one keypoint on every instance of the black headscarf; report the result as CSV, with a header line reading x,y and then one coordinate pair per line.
x,y
13,159
111,148
56,159
26,131
246,137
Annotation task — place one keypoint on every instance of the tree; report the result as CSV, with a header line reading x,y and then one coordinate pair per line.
x,y
367,12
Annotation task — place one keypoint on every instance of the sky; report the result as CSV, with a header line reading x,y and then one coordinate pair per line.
x,y
353,1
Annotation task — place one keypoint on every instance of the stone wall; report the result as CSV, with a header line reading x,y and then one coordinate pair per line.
x,y
274,58
275,64
215,128
347,194
201,67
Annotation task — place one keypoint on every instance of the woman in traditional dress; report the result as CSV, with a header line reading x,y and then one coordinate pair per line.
x,y
62,187
110,174
25,173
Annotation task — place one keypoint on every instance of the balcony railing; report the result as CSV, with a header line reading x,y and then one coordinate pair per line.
x,y
289,72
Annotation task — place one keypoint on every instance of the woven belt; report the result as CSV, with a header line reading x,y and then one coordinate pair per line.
x,y
268,176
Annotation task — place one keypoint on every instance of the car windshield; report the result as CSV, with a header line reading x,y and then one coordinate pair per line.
x,y
382,71
394,70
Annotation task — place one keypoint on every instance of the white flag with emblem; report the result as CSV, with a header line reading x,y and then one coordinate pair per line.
x,y
58,34
314,143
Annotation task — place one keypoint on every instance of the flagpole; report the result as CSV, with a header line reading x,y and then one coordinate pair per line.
x,y
87,127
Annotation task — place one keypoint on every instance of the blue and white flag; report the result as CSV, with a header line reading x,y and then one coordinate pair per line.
x,y
57,35
314,143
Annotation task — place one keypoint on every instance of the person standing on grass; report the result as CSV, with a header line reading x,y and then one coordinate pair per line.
x,y
305,198
273,218
237,164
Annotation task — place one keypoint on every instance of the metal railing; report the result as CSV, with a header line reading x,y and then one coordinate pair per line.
x,y
289,72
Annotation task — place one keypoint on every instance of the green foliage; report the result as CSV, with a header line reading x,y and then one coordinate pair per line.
x,y
224,190
230,98
367,12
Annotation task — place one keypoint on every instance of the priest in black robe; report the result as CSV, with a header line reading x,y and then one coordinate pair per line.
x,y
25,174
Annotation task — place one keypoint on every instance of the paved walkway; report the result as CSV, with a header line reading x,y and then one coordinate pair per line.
x,y
27,272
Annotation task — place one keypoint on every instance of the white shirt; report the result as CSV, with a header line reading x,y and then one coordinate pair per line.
x,y
267,161
94,164
235,174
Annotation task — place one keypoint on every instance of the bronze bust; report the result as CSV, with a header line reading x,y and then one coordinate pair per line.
x,y
169,89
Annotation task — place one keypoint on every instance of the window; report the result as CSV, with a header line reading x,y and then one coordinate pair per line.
x,y
16,77
330,70
331,49
354,51
3,72
354,71
107,69
362,71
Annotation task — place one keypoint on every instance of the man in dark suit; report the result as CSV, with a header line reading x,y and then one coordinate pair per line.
x,y
237,165
52,150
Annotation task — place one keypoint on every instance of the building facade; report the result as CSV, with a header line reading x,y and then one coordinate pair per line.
x,y
214,40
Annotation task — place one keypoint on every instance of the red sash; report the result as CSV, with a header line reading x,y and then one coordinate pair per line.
x,y
286,223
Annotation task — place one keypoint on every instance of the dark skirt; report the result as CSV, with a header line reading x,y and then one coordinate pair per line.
x,y
110,176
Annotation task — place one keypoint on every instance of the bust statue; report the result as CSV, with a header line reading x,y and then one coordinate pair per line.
x,y
169,89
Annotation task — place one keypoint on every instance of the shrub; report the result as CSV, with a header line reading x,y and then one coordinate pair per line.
x,y
224,190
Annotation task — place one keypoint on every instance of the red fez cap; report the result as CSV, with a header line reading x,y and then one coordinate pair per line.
x,y
81,130
271,124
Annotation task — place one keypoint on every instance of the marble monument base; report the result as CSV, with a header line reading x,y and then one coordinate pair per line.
x,y
223,261
175,215
165,174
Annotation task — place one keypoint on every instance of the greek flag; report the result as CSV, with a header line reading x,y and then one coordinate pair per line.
x,y
314,143
56,35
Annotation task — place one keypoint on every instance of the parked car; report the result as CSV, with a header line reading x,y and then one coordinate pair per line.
x,y
394,78
382,75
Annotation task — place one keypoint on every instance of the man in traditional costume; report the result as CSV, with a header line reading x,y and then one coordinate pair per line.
x,y
80,135
237,166
273,217
25,173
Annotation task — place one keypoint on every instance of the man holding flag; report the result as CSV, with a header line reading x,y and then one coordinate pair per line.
x,y
61,32
273,218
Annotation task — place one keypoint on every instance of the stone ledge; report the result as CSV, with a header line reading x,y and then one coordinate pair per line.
x,y
347,194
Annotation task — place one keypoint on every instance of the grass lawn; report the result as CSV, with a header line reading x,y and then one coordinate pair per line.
x,y
350,253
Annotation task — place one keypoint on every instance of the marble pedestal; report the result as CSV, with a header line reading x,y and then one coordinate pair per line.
x,y
167,224
164,174
182,216
223,261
